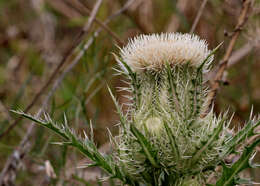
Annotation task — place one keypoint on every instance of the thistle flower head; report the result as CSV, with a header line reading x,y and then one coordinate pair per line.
x,y
168,94
152,52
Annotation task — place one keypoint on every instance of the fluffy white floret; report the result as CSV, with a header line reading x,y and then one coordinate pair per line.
x,y
152,52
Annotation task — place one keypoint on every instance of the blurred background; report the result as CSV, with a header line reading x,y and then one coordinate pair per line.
x,y
57,56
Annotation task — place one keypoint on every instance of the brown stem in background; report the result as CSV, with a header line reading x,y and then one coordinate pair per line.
x,y
141,13
67,55
224,62
195,23
80,7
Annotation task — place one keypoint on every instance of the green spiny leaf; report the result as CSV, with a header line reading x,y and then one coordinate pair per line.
x,y
213,137
230,173
173,143
207,58
147,147
47,124
245,132
85,146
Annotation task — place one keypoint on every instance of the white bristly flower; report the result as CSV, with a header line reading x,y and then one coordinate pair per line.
x,y
152,52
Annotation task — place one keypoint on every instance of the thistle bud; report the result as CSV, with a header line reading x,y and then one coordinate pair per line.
x,y
154,124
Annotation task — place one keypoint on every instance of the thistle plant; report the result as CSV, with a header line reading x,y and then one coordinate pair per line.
x,y
165,137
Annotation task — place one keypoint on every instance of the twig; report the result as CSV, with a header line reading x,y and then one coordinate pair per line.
x,y
84,9
109,31
67,55
195,23
92,16
224,62
236,56
62,8
123,9
16,157
141,14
